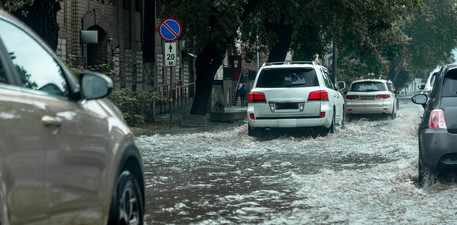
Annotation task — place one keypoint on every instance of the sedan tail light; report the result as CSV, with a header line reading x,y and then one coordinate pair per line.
x,y
437,120
256,97
383,96
318,96
352,97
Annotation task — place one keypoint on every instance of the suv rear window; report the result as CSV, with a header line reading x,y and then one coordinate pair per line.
x,y
450,84
287,77
368,86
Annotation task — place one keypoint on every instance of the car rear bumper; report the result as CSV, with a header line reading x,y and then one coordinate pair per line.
x,y
438,148
290,121
352,108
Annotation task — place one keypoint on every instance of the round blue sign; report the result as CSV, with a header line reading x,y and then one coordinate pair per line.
x,y
170,29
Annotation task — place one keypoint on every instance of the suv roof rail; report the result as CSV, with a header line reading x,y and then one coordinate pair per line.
x,y
291,62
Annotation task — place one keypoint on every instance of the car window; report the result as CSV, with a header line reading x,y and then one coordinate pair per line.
x,y
287,77
450,84
328,80
37,69
368,86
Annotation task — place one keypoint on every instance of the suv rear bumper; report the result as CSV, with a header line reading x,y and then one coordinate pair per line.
x,y
290,122
438,148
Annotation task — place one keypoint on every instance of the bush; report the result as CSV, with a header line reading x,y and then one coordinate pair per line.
x,y
135,104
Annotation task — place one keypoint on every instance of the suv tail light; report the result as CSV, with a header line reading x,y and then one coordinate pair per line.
x,y
256,97
352,97
437,120
383,96
318,96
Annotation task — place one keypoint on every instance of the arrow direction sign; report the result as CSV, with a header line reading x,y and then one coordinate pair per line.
x,y
170,53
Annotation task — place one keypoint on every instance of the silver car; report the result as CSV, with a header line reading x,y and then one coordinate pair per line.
x,y
66,155
371,96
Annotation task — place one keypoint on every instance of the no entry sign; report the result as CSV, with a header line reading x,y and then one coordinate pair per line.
x,y
170,29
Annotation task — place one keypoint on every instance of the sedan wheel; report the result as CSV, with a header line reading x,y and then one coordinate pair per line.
x,y
127,203
427,177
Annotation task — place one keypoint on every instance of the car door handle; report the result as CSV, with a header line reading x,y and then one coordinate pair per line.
x,y
51,121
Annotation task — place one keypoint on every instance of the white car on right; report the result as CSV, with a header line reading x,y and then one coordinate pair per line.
x,y
370,96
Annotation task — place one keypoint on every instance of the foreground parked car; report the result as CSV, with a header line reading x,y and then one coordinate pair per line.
x,y
438,128
371,97
294,94
66,155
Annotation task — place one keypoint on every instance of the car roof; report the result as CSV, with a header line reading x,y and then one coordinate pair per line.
x,y
291,64
376,80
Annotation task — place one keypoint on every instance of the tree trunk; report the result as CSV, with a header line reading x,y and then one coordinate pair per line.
x,y
279,51
42,18
206,66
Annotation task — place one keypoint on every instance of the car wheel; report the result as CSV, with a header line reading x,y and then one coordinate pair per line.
x,y
254,132
343,120
127,203
332,128
394,113
324,131
427,176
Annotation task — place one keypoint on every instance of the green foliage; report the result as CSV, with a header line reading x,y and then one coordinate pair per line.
x,y
433,35
135,105
14,5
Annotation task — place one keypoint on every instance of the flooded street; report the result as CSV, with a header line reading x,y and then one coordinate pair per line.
x,y
363,174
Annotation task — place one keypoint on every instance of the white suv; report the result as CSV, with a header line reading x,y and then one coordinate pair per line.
x,y
294,94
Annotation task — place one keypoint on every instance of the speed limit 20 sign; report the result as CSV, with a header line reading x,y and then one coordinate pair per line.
x,y
170,53
170,30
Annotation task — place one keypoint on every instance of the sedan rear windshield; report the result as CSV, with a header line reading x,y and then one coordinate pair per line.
x,y
287,77
450,84
368,86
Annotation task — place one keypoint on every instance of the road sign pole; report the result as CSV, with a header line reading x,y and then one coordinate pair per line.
x,y
170,30
171,96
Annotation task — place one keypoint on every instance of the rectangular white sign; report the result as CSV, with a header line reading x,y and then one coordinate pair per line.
x,y
170,54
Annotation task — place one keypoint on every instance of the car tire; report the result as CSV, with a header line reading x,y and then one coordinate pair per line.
x,y
332,128
343,120
254,132
323,131
394,114
427,176
126,203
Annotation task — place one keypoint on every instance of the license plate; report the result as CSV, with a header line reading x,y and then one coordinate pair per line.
x,y
293,105
367,97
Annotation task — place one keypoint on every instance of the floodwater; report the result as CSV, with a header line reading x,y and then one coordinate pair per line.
x,y
364,174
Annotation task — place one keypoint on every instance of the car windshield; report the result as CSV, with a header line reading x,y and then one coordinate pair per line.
x,y
287,77
450,84
368,86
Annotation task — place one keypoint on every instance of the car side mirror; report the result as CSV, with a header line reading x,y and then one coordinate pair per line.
x,y
421,86
341,85
420,99
95,86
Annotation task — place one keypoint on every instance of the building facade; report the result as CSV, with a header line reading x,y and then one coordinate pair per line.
x,y
129,47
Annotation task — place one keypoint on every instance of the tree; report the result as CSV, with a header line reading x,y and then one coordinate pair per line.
x,y
211,27
40,15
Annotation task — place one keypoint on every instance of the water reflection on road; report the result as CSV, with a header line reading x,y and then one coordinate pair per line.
x,y
364,174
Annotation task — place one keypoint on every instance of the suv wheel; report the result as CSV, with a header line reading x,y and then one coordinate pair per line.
x,y
427,177
343,120
254,132
126,203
